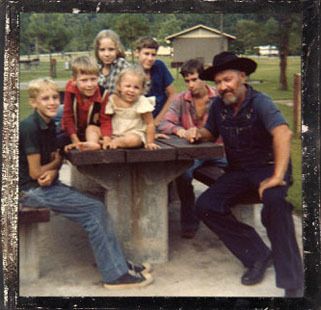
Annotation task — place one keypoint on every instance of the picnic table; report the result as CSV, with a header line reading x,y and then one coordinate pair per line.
x,y
135,182
29,63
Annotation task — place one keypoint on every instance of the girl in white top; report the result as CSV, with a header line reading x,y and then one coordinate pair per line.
x,y
132,119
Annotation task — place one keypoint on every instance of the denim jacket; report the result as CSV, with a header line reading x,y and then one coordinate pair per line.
x,y
246,135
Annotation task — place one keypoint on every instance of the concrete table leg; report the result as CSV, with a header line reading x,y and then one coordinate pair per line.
x,y
28,252
85,184
137,200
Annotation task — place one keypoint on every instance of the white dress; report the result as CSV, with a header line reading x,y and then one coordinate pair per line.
x,y
130,120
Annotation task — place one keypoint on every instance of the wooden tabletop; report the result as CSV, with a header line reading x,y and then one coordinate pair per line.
x,y
171,149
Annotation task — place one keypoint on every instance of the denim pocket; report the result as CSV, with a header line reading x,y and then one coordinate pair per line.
x,y
245,137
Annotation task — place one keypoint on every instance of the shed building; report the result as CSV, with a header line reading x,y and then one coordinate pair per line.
x,y
198,42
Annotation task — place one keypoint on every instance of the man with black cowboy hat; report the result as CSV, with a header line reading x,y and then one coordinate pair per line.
x,y
257,144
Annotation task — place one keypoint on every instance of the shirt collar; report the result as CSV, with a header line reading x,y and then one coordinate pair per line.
x,y
115,61
41,122
211,94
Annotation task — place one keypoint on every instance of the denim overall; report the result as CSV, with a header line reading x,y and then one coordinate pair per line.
x,y
250,156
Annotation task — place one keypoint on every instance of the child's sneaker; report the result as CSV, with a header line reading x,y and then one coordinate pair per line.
x,y
130,279
143,268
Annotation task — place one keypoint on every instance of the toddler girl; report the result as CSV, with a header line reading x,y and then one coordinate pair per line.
x,y
132,119
110,55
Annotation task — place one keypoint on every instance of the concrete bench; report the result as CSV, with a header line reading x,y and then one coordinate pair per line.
x,y
29,219
245,207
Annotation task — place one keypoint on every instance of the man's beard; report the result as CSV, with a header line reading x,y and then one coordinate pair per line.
x,y
230,100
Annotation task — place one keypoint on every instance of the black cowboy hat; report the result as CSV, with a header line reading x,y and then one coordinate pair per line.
x,y
228,60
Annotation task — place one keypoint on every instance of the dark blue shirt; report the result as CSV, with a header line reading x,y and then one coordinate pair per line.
x,y
35,137
161,78
247,135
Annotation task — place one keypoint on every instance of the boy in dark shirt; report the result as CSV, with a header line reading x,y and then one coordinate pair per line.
x,y
160,80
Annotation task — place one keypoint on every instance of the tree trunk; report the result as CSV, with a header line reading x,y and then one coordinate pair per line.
x,y
284,30
283,81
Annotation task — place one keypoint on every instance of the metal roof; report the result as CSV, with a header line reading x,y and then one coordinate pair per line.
x,y
216,31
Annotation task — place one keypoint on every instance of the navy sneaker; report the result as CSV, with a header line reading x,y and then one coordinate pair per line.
x,y
130,279
143,268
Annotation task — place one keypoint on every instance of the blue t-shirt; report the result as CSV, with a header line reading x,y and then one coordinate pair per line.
x,y
247,135
161,78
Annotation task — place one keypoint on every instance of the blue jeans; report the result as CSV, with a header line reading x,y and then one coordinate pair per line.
x,y
185,190
92,215
213,208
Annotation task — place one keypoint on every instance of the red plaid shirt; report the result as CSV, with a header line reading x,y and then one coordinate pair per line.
x,y
182,113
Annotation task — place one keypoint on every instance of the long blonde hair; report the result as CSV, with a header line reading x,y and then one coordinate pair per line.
x,y
112,35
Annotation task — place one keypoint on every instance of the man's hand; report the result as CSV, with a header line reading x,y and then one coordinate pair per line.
x,y
47,177
192,135
161,136
270,182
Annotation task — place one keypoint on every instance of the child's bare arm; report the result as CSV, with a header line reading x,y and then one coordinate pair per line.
x,y
35,167
150,131
105,123
68,117
74,138
170,91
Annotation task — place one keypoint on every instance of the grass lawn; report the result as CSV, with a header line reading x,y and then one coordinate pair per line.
x,y
43,70
295,191
267,72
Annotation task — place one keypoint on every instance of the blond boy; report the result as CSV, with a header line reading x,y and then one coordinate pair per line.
x,y
82,105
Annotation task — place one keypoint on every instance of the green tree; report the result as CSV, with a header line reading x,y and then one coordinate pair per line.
x,y
130,27
249,34
169,26
270,31
26,42
48,32
287,29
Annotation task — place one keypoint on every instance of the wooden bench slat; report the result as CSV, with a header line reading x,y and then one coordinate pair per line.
x,y
78,158
165,153
186,150
29,215
208,174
